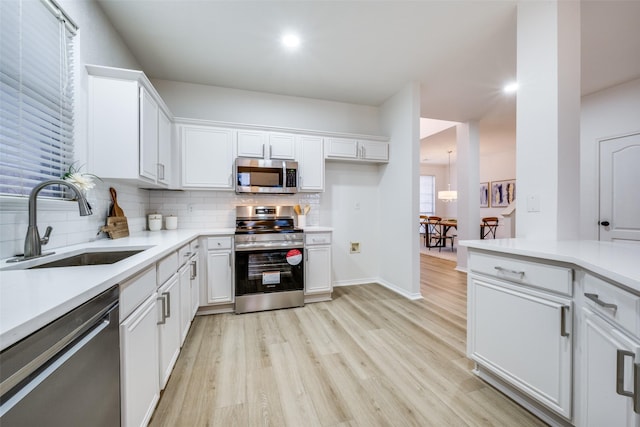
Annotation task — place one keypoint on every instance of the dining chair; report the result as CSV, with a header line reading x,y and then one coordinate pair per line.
x,y
433,238
488,227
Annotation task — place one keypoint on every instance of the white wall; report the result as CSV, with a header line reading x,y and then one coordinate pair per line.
x,y
97,43
399,194
605,114
350,205
241,106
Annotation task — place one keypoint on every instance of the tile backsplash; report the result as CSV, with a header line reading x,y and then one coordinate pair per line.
x,y
194,209
216,209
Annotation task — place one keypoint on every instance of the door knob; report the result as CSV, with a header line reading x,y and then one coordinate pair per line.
x,y
604,223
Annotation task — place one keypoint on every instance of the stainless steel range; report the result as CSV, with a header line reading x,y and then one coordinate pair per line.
x,y
269,259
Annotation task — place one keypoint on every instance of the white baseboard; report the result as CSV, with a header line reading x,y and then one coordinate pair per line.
x,y
380,282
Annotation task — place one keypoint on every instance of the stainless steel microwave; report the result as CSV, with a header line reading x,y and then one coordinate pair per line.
x,y
266,176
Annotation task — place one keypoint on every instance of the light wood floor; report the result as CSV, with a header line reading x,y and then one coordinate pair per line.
x,y
368,358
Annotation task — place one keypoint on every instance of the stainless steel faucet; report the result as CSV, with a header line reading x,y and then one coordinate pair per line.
x,y
32,242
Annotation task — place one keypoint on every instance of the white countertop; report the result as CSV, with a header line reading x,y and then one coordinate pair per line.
x,y
30,299
619,262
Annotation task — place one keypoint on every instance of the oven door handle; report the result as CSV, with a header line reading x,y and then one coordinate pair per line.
x,y
243,247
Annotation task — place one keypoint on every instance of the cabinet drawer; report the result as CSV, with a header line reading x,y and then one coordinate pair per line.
x,y
219,243
135,290
317,239
166,267
194,246
613,303
545,276
183,254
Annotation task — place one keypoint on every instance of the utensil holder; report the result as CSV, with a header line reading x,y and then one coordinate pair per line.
x,y
302,221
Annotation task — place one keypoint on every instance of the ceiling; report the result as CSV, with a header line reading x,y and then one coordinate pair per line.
x,y
363,52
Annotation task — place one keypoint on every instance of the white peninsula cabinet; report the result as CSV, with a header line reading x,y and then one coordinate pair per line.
x,y
207,157
318,284
520,329
356,150
217,293
266,145
129,128
556,327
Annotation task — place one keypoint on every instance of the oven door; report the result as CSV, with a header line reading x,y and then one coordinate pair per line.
x,y
269,270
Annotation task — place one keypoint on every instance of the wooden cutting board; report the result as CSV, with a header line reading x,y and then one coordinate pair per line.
x,y
116,210
117,227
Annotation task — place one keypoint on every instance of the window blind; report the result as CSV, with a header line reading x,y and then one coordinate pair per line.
x,y
36,95
427,194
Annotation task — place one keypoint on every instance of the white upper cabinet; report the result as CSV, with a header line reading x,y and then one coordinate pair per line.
x,y
207,157
129,128
310,151
356,150
265,145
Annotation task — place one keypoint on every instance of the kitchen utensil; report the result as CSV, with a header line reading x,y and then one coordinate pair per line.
x,y
116,210
297,210
306,210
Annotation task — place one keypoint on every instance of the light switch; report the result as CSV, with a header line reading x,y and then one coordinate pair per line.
x,y
533,203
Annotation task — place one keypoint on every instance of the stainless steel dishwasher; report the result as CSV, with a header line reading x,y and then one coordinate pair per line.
x,y
68,372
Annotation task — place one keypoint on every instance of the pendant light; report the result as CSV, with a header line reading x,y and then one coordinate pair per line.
x,y
448,195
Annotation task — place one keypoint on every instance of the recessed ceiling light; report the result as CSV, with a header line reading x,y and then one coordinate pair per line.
x,y
291,40
511,87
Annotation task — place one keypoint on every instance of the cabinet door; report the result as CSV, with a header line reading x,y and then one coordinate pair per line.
x,y
601,404
168,328
252,144
318,269
281,146
524,337
148,136
341,148
219,277
164,149
184,279
372,150
207,157
194,266
310,163
139,364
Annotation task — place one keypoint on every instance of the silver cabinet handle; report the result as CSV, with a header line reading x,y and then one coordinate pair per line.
x,y
194,269
168,295
164,309
188,254
563,320
160,171
636,382
263,150
506,270
595,298
270,151
620,378
306,255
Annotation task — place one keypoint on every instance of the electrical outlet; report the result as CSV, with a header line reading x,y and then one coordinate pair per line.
x,y
355,248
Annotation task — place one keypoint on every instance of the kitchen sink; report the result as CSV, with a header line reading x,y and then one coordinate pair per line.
x,y
89,258
77,258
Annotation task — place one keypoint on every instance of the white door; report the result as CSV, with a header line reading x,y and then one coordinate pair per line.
x,y
168,328
148,136
318,268
207,157
619,189
310,163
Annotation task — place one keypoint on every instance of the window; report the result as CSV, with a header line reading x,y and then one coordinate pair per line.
x,y
427,194
36,95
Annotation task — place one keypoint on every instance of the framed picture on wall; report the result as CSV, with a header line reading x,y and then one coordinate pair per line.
x,y
503,193
484,194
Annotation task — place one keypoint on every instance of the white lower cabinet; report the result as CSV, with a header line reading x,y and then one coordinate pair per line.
x,y
139,364
168,327
219,283
318,284
609,361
